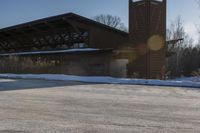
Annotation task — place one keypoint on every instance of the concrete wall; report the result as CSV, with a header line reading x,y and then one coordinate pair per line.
x,y
118,68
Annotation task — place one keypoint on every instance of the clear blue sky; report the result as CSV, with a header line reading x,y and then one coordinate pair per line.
x,y
19,11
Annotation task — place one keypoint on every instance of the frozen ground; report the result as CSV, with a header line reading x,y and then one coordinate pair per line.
x,y
40,106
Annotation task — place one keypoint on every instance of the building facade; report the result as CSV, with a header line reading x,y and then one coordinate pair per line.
x,y
72,44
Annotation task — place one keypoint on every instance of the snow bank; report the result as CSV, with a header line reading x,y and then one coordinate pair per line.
x,y
106,80
192,79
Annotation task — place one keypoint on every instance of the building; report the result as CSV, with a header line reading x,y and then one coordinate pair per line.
x,y
72,44
147,33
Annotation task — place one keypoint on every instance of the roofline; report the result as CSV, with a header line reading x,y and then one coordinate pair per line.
x,y
33,22
66,15
64,51
99,24
142,1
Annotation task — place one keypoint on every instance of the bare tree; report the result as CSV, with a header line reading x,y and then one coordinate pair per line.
x,y
174,32
185,60
112,21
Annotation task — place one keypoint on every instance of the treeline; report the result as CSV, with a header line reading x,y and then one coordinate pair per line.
x,y
185,55
185,62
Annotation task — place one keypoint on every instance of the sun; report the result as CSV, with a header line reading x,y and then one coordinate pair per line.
x,y
155,42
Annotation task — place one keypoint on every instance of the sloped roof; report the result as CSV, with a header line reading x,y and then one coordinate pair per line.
x,y
70,15
31,35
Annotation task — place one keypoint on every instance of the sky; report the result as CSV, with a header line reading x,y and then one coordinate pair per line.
x,y
14,12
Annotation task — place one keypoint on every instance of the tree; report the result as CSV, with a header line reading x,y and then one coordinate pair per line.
x,y
178,63
112,21
187,55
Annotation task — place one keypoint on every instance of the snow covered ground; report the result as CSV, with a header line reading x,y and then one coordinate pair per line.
x,y
193,82
193,79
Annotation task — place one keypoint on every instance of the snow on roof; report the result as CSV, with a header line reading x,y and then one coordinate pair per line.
x,y
53,52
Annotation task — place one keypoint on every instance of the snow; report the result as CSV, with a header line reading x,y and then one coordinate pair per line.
x,y
53,52
192,79
184,82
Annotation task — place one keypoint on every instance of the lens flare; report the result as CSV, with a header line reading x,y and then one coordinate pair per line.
x,y
155,43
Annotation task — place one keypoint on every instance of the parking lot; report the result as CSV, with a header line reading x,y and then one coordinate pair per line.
x,y
40,106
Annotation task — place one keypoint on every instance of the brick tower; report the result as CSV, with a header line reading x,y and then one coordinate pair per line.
x,y
147,28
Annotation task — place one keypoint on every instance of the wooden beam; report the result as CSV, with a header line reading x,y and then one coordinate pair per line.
x,y
7,39
175,41
2,46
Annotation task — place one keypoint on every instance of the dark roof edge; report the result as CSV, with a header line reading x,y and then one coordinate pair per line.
x,y
34,22
69,15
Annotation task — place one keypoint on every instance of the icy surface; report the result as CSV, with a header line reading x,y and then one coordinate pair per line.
x,y
183,82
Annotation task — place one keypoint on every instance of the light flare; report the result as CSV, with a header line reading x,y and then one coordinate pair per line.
x,y
155,43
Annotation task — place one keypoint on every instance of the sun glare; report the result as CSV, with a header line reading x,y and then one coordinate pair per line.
x,y
155,43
